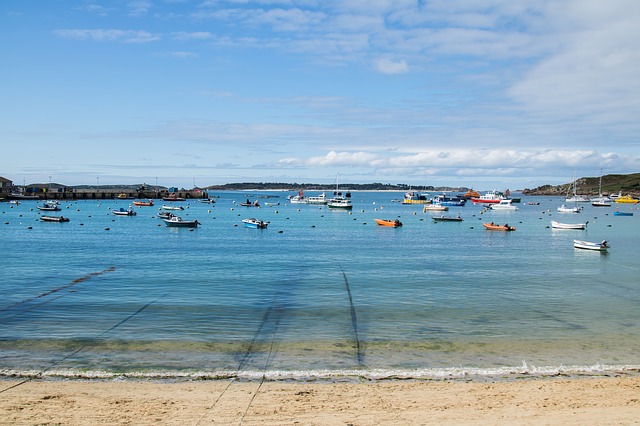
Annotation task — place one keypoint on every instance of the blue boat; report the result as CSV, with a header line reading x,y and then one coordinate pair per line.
x,y
622,214
254,223
445,200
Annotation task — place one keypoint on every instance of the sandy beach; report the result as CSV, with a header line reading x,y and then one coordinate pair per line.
x,y
580,401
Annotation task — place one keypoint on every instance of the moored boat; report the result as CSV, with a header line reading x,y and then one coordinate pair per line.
x,y
54,218
141,203
491,197
560,225
166,207
299,198
504,205
122,212
586,245
389,222
50,206
414,197
252,222
626,199
173,197
318,199
248,203
495,227
618,213
434,208
564,209
177,222
444,218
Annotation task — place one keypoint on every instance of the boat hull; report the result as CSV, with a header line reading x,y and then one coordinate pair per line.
x,y
493,227
59,219
388,222
586,245
559,225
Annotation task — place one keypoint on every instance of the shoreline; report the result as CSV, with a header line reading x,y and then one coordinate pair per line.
x,y
585,400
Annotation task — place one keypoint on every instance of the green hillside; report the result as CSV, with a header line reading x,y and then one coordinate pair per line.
x,y
611,184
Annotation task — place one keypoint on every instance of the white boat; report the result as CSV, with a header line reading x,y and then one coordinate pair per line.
x,y
166,207
177,222
319,199
50,206
504,205
123,212
252,222
586,245
298,199
560,225
564,209
434,208
491,197
339,201
601,200
575,198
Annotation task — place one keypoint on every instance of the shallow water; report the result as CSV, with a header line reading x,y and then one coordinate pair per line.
x,y
319,292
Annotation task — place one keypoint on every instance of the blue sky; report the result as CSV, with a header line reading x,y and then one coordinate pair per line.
x,y
486,94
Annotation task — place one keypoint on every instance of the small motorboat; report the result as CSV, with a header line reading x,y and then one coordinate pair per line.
x,y
495,227
252,222
586,245
250,204
177,222
444,218
122,212
434,208
50,206
395,223
165,215
173,197
166,207
564,209
617,213
140,203
504,205
54,219
560,225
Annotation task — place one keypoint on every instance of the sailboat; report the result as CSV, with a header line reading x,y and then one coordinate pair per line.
x,y
575,198
339,201
600,200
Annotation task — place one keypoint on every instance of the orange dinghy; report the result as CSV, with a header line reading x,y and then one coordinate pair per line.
x,y
388,222
495,227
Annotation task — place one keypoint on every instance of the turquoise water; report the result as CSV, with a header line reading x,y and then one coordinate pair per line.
x,y
319,293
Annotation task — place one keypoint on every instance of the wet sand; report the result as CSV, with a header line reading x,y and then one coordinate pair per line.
x,y
579,401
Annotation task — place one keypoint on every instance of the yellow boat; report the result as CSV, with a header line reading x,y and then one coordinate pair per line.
x,y
627,199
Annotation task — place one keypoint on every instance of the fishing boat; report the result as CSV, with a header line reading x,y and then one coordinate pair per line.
x,y
414,197
395,223
626,199
450,201
339,201
564,209
166,207
617,213
318,199
560,225
177,222
122,212
586,245
434,208
165,215
141,203
252,222
504,205
444,218
54,218
173,197
248,203
471,194
495,227
298,198
491,197
50,206
123,196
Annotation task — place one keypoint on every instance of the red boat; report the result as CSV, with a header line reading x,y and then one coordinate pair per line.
x,y
491,197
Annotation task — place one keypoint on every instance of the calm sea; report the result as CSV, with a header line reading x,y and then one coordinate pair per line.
x,y
320,293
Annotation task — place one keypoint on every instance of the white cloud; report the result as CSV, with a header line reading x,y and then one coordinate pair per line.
x,y
387,66
102,35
